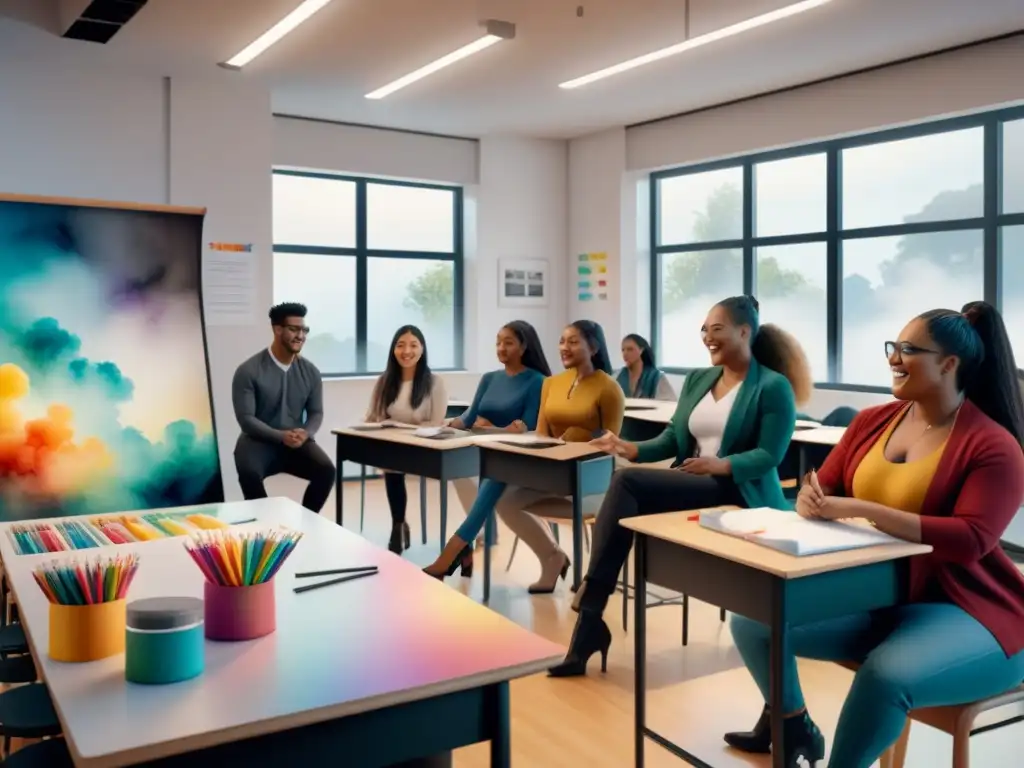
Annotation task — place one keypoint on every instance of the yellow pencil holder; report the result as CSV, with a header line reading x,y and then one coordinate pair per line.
x,y
86,632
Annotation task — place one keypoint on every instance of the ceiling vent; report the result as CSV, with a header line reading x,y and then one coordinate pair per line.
x,y
96,21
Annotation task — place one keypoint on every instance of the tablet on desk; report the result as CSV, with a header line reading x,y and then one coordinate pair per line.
x,y
641,408
532,444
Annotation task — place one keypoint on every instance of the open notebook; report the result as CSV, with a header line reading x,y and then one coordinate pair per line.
x,y
790,533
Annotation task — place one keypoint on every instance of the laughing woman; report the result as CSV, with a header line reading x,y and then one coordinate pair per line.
x,y
729,434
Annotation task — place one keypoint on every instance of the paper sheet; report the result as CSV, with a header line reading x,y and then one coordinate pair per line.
x,y
229,285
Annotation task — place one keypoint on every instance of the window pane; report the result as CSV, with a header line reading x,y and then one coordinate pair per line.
x,y
791,285
888,281
1013,167
1011,254
701,207
424,297
928,178
790,196
327,286
691,283
309,211
410,218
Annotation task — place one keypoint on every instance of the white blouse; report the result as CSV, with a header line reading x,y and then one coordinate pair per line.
x,y
708,419
430,412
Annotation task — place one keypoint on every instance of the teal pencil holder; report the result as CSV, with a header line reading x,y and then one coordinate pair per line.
x,y
164,640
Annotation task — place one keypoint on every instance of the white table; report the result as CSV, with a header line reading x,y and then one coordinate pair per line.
x,y
377,671
829,436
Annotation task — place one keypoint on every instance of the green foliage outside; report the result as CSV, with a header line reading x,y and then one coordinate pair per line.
x,y
432,293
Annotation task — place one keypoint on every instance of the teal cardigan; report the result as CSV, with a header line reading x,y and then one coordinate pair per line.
x,y
756,437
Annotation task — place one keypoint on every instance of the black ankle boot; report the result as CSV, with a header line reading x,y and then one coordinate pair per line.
x,y
400,538
591,635
802,739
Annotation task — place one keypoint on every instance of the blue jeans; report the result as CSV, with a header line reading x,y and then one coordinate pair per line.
x,y
488,495
912,656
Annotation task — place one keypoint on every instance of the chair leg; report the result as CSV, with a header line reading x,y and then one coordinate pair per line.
x,y
512,554
554,532
362,496
586,537
721,614
962,743
686,619
423,510
625,594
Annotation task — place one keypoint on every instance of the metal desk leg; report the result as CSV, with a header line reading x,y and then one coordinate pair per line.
x,y
499,715
488,532
779,650
423,510
339,503
362,496
444,512
639,646
801,463
577,529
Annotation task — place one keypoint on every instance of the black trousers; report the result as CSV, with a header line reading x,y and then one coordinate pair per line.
x,y
398,497
256,460
636,491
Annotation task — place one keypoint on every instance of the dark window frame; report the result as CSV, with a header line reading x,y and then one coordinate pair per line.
x,y
363,253
990,223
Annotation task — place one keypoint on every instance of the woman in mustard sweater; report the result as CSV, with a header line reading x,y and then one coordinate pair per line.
x,y
577,405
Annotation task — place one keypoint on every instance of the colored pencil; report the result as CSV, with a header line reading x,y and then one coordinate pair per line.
x,y
352,577
86,582
241,559
336,571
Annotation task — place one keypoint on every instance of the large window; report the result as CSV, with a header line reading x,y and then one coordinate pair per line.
x,y
844,242
367,256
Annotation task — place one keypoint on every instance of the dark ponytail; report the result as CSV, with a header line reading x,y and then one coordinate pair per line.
x,y
773,347
646,352
593,333
533,351
987,374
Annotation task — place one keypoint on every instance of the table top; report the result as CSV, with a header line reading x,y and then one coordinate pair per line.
x,y
395,637
661,412
820,435
679,528
561,452
405,436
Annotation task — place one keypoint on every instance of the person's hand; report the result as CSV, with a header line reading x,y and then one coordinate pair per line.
x,y
482,423
810,498
301,435
611,443
518,426
455,423
706,465
291,439
840,508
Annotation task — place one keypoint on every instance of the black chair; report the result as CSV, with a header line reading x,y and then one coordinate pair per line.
x,y
12,640
52,753
27,712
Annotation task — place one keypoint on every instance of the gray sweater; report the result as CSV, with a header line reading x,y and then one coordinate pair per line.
x,y
269,401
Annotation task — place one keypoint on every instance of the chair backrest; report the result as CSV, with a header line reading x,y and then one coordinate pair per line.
x,y
840,417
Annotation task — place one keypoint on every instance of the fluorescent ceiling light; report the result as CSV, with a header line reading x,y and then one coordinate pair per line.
x,y
697,42
305,9
496,32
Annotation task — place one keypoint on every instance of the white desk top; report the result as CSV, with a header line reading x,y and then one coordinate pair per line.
x,y
679,528
661,412
395,637
820,435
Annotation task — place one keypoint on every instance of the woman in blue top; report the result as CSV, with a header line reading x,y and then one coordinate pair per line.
x,y
507,399
640,377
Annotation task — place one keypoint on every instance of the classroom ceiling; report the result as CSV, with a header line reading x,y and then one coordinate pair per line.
x,y
324,69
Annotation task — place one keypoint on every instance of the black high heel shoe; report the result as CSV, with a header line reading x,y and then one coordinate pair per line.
x,y
463,560
802,739
590,636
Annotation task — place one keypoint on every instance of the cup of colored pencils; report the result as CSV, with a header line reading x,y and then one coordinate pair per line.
x,y
87,605
239,569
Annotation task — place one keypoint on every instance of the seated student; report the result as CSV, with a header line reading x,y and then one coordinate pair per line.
x,y
409,393
640,377
575,405
728,436
943,466
279,404
506,399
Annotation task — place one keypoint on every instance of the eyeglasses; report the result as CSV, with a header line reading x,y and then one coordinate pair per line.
x,y
906,349
299,329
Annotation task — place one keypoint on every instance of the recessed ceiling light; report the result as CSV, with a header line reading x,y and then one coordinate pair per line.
x,y
696,42
496,32
305,9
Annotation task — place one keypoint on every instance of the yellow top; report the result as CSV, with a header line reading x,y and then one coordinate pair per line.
x,y
898,486
575,415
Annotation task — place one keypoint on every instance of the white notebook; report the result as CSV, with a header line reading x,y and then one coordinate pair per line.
x,y
790,533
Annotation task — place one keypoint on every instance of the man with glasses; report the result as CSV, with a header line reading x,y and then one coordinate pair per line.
x,y
279,403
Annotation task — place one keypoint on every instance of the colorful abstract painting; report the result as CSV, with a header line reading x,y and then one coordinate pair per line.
x,y
104,385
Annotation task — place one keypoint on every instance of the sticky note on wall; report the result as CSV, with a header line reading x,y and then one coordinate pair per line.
x,y
583,284
583,270
586,296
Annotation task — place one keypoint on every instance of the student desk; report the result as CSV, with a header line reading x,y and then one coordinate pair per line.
x,y
569,469
645,419
828,436
763,584
400,450
382,670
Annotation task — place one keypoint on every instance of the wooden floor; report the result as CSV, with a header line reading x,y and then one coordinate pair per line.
x,y
589,721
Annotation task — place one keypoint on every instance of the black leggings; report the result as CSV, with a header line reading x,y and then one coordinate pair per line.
x,y
636,491
398,498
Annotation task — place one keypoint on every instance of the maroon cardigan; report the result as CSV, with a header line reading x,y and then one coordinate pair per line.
x,y
975,493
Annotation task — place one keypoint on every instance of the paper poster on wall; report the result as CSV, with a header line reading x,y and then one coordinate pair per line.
x,y
229,284
105,399
522,283
590,265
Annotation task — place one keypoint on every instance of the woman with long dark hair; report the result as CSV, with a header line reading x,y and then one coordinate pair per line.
x,y
942,465
575,405
506,399
730,432
640,377
407,392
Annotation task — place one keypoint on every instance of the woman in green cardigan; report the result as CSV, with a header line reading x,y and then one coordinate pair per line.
x,y
730,432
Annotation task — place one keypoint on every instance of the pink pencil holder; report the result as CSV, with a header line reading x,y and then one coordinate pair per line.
x,y
240,613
